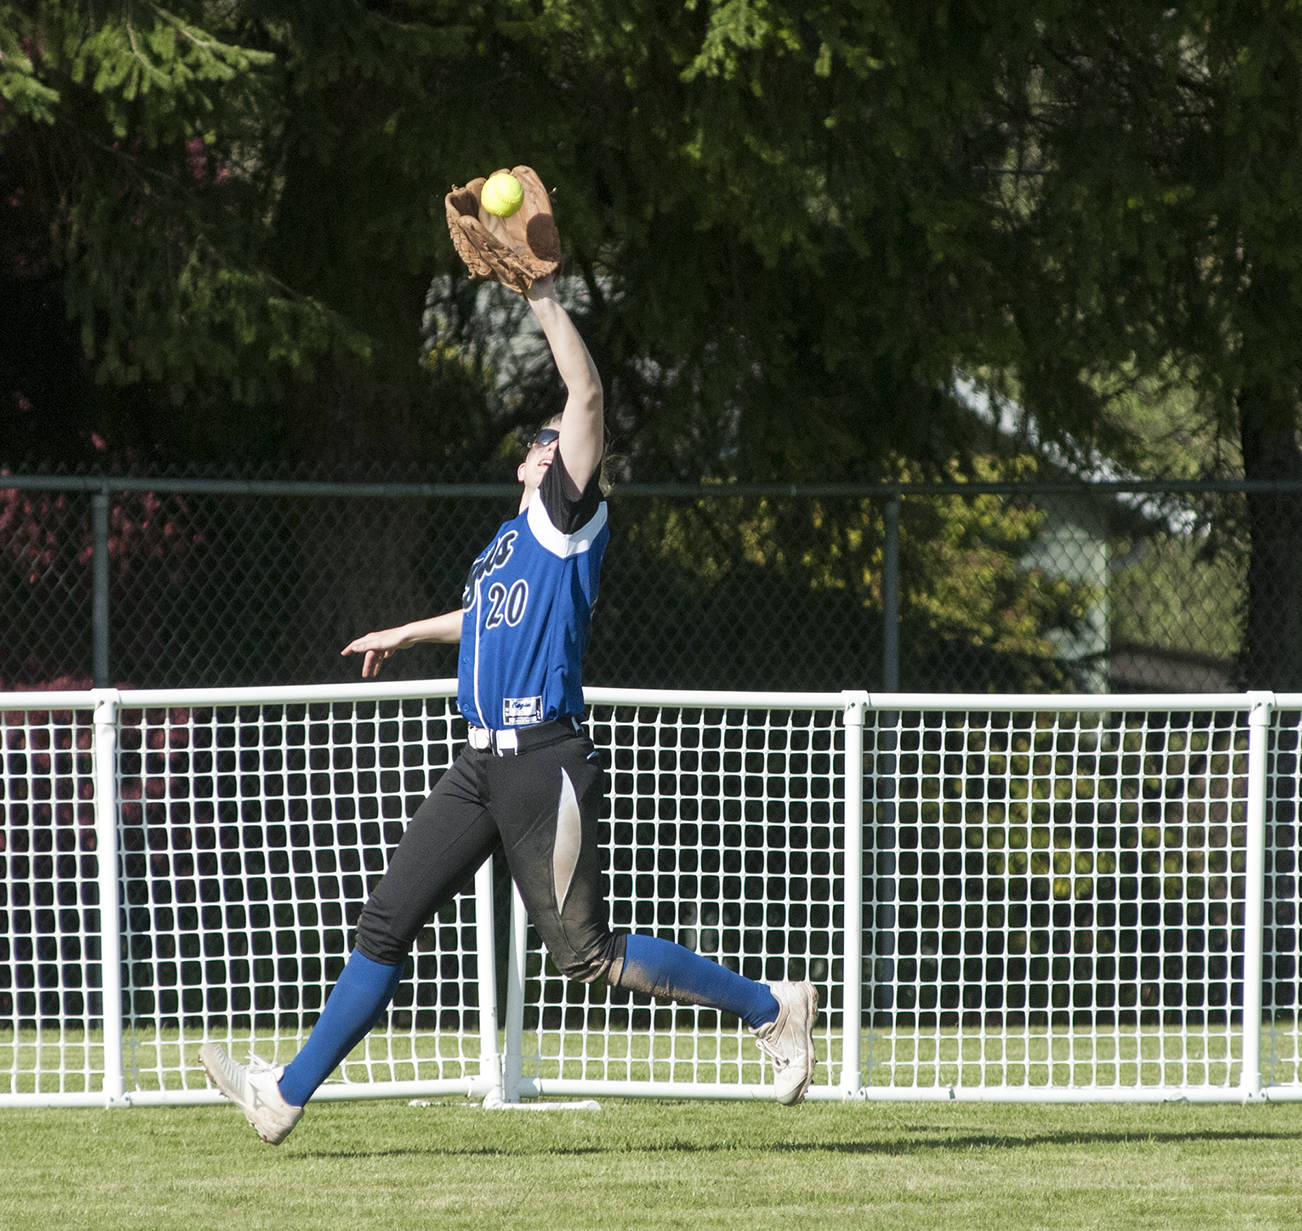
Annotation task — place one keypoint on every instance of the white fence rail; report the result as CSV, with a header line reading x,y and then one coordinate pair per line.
x,y
1014,898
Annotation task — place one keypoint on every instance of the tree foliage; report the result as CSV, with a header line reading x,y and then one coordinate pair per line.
x,y
788,224
137,196
764,206
1171,146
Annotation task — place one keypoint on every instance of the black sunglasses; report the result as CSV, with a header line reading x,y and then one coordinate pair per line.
x,y
545,437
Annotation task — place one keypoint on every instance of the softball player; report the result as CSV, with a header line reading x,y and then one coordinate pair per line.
x,y
528,781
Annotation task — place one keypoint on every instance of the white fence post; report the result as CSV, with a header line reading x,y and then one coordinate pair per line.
x,y
490,1058
513,1051
1254,889
851,1080
104,761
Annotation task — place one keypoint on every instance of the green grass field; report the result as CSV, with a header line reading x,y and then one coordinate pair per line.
x,y
667,1164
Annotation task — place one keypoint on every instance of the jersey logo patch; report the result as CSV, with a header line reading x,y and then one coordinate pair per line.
x,y
521,711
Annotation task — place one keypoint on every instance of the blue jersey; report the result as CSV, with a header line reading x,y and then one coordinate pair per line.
x,y
527,609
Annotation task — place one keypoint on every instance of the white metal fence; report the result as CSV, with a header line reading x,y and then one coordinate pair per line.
x,y
1018,898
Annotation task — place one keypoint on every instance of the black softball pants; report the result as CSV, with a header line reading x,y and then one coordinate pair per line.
x,y
540,806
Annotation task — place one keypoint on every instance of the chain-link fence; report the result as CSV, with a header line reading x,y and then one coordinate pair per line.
x,y
955,587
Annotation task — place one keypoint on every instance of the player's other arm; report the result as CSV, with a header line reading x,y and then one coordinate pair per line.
x,y
383,644
582,421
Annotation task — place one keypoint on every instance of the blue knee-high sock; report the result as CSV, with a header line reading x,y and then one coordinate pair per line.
x,y
662,968
360,995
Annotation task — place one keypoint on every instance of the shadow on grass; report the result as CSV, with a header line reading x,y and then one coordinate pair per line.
x,y
934,1139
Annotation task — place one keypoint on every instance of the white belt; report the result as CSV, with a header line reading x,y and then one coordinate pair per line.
x,y
498,741
519,739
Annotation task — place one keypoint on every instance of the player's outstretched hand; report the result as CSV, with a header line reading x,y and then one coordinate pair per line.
x,y
377,647
515,249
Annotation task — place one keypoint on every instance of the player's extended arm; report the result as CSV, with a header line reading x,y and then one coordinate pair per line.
x,y
582,422
381,645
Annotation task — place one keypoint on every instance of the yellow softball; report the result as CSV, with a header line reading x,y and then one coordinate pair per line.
x,y
502,194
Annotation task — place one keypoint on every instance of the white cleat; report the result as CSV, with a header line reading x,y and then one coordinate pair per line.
x,y
788,1040
254,1090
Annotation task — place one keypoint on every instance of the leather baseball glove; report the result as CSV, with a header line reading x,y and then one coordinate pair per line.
x,y
514,251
